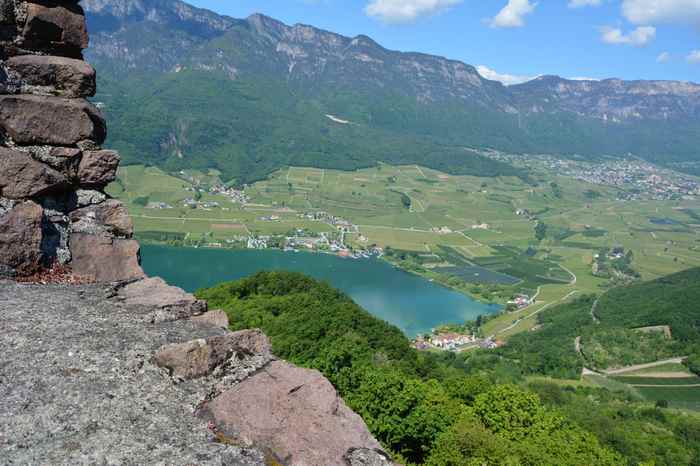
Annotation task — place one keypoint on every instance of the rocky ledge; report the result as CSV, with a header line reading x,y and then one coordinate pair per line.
x,y
96,374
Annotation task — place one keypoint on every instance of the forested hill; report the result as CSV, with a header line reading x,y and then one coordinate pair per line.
x,y
422,410
447,409
615,338
190,88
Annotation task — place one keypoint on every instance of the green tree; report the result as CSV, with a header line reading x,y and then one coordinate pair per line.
x,y
540,231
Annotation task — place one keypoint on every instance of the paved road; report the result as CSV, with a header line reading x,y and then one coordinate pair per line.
x,y
637,367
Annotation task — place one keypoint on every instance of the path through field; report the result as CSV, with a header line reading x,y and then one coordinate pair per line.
x,y
638,367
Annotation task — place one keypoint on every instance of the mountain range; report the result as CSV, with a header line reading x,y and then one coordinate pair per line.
x,y
185,87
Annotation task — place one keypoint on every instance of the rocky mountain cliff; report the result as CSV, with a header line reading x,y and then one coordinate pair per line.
x,y
296,75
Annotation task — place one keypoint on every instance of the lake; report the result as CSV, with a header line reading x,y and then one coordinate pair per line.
x,y
410,302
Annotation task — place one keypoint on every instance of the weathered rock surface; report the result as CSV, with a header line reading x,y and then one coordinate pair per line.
x,y
54,25
41,74
105,259
294,412
77,385
85,381
199,358
216,318
109,217
159,302
98,168
23,177
367,457
21,238
63,159
33,119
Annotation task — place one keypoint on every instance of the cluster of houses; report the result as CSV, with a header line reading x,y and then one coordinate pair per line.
x,y
452,341
521,301
195,204
441,230
259,242
325,217
237,196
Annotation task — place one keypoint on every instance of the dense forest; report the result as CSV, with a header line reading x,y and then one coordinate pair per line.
x,y
443,409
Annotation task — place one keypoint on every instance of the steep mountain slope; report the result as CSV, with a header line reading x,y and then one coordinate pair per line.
x,y
247,96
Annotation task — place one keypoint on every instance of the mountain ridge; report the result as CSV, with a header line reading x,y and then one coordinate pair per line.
x,y
431,103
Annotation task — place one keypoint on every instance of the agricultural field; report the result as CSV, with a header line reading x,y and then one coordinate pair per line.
x,y
474,234
668,383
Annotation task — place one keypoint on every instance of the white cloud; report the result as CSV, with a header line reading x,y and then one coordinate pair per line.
x,y
507,79
637,37
661,11
583,78
694,57
406,11
583,3
663,57
513,14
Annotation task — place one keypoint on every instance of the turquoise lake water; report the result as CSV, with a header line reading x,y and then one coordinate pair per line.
x,y
413,304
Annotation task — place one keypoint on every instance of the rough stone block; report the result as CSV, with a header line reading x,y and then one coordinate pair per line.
x,y
160,302
199,358
38,74
20,238
55,26
293,412
36,120
63,159
107,217
104,259
98,168
216,318
23,177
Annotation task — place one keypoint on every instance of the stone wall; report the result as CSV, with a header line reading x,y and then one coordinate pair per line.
x,y
53,170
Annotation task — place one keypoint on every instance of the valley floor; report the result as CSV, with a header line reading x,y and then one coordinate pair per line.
x,y
476,235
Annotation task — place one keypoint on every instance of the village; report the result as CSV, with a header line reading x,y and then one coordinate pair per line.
x,y
441,340
640,180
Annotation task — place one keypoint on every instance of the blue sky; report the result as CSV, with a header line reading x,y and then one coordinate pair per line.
x,y
514,39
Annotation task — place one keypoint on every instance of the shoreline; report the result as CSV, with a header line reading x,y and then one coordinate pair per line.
x,y
482,308
330,253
